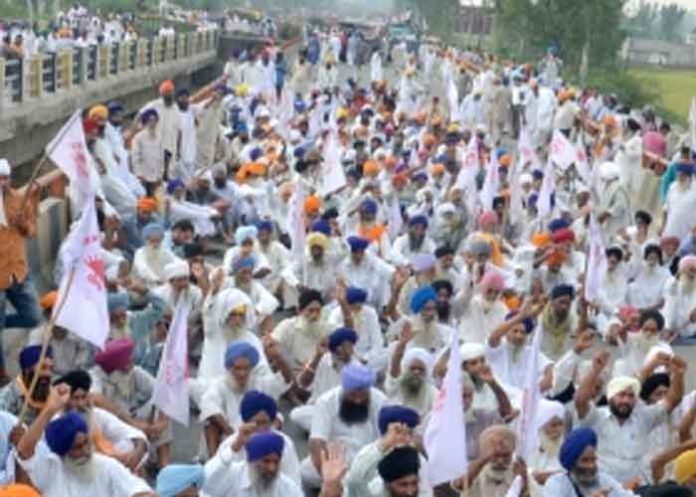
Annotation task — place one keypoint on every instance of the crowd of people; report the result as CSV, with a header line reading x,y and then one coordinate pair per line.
x,y
333,240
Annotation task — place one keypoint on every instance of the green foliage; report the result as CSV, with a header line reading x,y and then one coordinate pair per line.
x,y
642,24
439,14
671,17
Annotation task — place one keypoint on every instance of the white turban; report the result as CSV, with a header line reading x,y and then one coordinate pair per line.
x,y
548,410
5,168
446,208
231,299
609,171
469,351
620,383
526,178
417,354
177,269
660,348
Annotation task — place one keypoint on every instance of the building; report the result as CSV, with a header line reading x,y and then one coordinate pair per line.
x,y
637,51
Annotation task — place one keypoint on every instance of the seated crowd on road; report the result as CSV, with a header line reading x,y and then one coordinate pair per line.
x,y
338,233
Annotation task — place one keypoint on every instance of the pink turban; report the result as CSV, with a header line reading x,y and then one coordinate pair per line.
x,y
492,281
687,262
117,355
487,217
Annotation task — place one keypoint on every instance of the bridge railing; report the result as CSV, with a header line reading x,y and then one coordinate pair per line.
x,y
50,73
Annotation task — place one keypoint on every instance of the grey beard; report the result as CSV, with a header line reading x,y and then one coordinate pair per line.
x,y
263,485
81,468
121,382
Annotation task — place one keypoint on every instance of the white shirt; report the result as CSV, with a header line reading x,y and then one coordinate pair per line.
x,y
233,479
680,207
49,476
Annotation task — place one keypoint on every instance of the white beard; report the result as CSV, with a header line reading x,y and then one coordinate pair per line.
x,y
82,469
549,446
122,382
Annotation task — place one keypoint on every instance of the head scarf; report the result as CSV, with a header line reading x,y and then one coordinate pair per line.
x,y
116,301
685,466
413,354
177,269
421,297
355,295
548,410
244,233
317,239
400,462
167,87
147,204
341,335
424,262
153,229
396,414
175,478
418,221
620,383
652,383
77,380
29,356
357,377
357,243
309,296
469,351
264,444
147,114
562,291
60,433
254,402
575,444
492,280
17,490
687,262
241,350
117,355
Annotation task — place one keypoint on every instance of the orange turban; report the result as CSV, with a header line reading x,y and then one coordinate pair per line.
x,y
429,140
312,204
555,258
18,491
540,240
421,117
48,300
506,160
391,162
147,204
371,168
437,169
98,113
609,121
167,87
257,169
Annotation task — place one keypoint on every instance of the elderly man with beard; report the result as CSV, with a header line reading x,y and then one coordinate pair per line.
x,y
410,378
242,277
221,400
259,476
680,204
427,332
150,260
613,208
299,336
493,472
406,247
680,300
624,425
13,395
71,468
390,466
424,270
508,352
347,414
178,289
109,435
362,318
559,322
582,476
543,463
126,390
314,270
367,271
640,353
259,413
324,371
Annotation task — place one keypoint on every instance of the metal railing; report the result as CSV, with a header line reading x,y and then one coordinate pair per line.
x,y
50,73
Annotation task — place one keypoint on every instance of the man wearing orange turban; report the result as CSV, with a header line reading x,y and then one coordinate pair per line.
x,y
18,491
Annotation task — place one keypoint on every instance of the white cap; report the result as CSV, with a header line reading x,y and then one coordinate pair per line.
x,y
5,168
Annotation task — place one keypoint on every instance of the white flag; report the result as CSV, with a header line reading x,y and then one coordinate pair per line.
x,y
581,163
171,392
466,179
547,189
515,489
516,204
334,176
396,220
68,150
596,261
445,434
453,98
82,308
491,183
527,437
525,148
296,227
561,150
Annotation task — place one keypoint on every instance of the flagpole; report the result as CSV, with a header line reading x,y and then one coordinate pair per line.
x,y
44,345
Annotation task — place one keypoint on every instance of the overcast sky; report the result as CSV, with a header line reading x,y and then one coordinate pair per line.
x,y
689,4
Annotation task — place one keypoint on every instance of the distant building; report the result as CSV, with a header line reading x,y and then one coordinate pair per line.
x,y
636,51
475,19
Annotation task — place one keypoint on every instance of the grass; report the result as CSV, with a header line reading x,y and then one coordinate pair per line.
x,y
676,88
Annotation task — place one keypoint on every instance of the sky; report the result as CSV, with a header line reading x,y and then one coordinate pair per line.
x,y
688,4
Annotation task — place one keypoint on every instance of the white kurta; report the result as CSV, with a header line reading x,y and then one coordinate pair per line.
x,y
223,479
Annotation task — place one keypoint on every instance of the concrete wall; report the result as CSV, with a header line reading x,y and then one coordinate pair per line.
x,y
51,227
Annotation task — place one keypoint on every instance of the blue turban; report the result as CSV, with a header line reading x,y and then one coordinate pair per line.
x,y
117,301
299,152
264,225
255,154
264,444
532,199
369,205
352,173
416,220
537,174
114,107
421,297
575,444
242,263
355,295
175,478
341,335
562,290
420,177
29,356
146,115
685,168
357,243
153,229
238,350
60,433
254,402
500,152
558,224
241,127
357,377
243,233
397,414
321,226
300,106
528,322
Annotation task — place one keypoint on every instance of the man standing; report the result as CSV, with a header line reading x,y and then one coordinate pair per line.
x,y
17,224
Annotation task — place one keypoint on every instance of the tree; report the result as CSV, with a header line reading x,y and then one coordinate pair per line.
x,y
644,22
671,17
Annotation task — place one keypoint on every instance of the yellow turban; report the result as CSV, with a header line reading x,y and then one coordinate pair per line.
x,y
242,90
99,113
685,466
317,239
